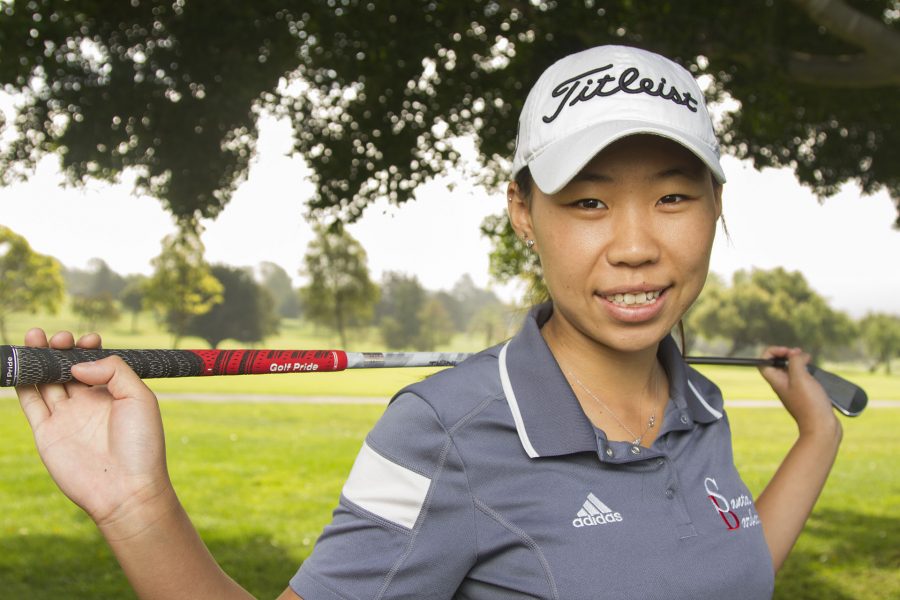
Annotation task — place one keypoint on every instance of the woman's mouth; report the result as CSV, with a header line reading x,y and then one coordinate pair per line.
x,y
634,298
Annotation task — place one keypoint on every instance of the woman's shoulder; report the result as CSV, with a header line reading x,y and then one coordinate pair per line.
x,y
454,392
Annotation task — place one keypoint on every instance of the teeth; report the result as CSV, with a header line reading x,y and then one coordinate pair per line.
x,y
639,298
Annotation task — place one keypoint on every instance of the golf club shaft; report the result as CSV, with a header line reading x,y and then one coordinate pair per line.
x,y
23,365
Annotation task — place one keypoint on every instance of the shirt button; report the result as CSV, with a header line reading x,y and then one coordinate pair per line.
x,y
609,452
670,493
635,450
684,419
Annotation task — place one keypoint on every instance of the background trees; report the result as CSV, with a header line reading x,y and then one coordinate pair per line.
x,y
276,280
29,281
881,335
378,91
182,285
767,307
339,294
246,312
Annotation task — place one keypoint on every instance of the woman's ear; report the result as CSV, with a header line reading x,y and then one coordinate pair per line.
x,y
519,209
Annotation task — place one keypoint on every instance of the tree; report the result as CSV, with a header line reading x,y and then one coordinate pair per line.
x,y
339,293
881,335
246,313
399,310
275,279
770,307
471,298
435,325
29,281
182,285
492,321
97,280
94,309
132,297
377,91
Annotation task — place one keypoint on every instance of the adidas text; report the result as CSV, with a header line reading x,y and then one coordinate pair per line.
x,y
602,519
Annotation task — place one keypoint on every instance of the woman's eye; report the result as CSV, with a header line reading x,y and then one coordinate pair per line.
x,y
672,198
589,203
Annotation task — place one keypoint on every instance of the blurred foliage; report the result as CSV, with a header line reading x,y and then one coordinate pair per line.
x,y
29,281
276,280
399,310
769,307
95,309
245,314
881,335
182,285
377,91
340,293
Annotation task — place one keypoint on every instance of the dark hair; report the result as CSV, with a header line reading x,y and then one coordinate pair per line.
x,y
525,183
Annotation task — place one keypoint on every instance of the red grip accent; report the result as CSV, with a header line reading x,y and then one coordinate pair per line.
x,y
246,362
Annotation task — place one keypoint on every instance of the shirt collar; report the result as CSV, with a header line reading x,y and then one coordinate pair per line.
x,y
548,416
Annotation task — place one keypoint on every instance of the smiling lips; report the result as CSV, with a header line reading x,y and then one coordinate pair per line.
x,y
633,299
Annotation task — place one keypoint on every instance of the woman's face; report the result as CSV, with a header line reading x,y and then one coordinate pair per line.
x,y
625,245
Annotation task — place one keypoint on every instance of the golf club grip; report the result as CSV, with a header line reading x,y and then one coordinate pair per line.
x,y
23,365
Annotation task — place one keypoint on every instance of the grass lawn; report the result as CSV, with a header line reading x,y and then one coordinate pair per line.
x,y
260,481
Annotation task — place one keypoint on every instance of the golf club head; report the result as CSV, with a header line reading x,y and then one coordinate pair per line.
x,y
847,397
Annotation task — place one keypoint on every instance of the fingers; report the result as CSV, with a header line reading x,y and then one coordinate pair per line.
x,y
115,374
89,341
33,405
53,393
30,398
36,338
62,340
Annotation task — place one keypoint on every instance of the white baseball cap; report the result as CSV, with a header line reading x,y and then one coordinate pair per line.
x,y
585,101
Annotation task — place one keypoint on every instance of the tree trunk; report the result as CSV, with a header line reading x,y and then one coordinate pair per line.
x,y
339,321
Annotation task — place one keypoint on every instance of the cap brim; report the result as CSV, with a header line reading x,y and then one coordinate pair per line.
x,y
558,163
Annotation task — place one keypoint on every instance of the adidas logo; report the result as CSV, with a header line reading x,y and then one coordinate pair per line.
x,y
594,512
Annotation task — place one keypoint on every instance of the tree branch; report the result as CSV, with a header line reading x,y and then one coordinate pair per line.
x,y
859,71
852,26
878,66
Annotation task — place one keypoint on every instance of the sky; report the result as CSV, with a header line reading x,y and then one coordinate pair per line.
x,y
844,246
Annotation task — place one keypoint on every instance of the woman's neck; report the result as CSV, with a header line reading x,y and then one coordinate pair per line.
x,y
622,379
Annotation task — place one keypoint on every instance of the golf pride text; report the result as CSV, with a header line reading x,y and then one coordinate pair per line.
x,y
291,367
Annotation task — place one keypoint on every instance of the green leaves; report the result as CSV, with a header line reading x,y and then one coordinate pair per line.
x,y
377,92
881,335
339,294
774,307
29,281
182,285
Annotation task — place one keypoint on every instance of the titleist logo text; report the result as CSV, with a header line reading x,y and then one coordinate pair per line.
x,y
584,87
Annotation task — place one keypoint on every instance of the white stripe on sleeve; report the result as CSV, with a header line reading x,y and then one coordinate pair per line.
x,y
385,488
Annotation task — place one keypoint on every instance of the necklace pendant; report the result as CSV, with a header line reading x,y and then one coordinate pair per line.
x,y
651,422
636,442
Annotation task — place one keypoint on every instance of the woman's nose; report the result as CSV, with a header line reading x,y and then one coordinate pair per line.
x,y
634,241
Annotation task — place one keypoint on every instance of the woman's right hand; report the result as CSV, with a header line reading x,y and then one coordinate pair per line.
x,y
100,436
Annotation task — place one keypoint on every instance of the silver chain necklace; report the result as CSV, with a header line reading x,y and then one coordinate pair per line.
x,y
651,422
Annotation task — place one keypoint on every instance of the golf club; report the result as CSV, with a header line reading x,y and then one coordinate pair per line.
x,y
24,365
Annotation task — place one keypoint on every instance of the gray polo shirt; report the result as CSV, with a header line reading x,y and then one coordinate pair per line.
x,y
487,481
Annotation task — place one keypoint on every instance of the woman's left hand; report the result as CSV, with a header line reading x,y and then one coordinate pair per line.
x,y
803,397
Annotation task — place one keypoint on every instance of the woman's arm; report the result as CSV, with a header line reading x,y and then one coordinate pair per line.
x,y
788,499
101,439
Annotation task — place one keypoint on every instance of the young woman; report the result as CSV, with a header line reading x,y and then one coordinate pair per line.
x,y
581,459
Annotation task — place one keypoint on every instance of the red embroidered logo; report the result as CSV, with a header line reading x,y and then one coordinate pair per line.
x,y
726,509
